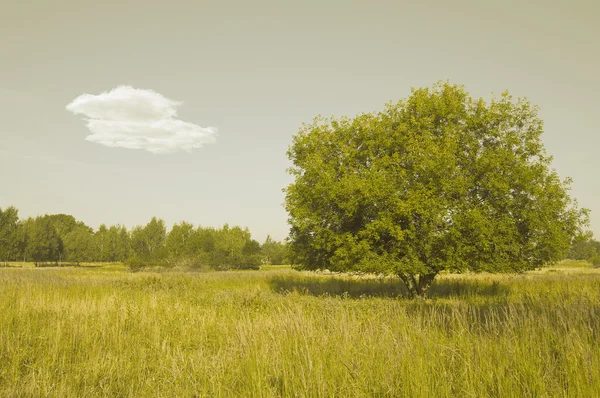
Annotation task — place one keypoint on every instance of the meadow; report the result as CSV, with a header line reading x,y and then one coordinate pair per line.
x,y
103,331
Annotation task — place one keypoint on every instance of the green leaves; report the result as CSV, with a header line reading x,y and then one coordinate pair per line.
x,y
437,181
9,218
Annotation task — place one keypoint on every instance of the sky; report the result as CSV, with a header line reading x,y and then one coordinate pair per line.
x,y
118,111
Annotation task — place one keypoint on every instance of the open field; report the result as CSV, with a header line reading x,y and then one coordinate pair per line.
x,y
103,331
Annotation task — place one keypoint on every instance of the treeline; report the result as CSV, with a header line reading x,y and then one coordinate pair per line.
x,y
586,248
60,238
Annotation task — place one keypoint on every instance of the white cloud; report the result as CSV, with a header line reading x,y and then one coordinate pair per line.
x,y
132,118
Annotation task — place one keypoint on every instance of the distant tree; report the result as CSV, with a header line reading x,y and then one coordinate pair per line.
x,y
20,242
63,224
43,242
274,252
24,233
60,237
251,255
181,240
235,248
229,243
101,245
439,181
79,244
118,239
205,239
9,224
110,244
148,242
585,248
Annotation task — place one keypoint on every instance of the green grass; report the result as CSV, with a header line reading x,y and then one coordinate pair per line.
x,y
102,331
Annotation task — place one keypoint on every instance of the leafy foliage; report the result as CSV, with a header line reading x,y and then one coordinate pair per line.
x,y
439,181
43,242
79,244
586,248
9,219
148,242
58,238
274,252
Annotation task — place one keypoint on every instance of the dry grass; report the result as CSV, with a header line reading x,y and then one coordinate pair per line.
x,y
102,331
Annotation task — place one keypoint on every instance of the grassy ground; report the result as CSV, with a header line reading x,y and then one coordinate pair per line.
x,y
102,331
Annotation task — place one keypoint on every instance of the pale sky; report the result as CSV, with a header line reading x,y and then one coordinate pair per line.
x,y
220,87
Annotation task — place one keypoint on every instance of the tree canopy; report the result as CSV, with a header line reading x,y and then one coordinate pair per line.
x,y
9,219
438,181
585,248
60,237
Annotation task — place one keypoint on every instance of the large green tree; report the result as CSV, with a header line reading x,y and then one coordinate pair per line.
x,y
439,181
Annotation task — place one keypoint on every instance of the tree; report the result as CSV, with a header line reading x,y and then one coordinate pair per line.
x,y
9,223
274,252
180,240
63,224
148,241
101,250
251,254
111,243
79,244
43,242
119,242
205,239
20,242
234,248
585,248
439,181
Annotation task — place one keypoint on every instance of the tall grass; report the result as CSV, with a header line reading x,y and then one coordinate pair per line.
x,y
95,331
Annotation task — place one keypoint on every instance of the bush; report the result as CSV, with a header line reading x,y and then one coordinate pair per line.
x,y
218,261
252,261
136,264
198,262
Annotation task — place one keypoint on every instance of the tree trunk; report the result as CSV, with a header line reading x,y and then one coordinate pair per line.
x,y
417,284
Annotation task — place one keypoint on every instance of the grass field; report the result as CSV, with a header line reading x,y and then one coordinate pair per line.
x,y
103,331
